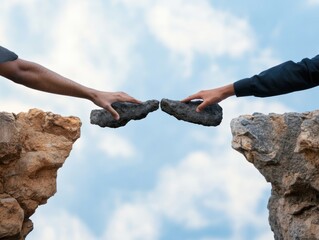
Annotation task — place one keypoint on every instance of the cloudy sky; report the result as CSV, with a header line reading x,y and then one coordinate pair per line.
x,y
159,178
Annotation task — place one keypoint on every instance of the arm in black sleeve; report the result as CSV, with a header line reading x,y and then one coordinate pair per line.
x,y
6,55
284,78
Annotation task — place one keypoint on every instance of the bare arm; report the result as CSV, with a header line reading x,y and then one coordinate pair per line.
x,y
212,96
35,76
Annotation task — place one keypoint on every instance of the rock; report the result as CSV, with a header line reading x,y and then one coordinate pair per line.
x,y
284,148
211,116
127,111
11,215
33,146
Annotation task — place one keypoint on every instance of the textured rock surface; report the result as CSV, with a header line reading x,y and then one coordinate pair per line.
x,y
33,146
285,149
127,112
210,116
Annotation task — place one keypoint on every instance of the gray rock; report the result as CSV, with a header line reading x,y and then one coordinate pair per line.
x,y
211,116
127,111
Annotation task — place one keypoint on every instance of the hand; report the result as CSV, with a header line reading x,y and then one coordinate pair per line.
x,y
211,96
105,100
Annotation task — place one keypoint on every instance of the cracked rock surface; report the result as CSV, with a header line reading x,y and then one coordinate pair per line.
x,y
211,116
284,148
127,111
33,146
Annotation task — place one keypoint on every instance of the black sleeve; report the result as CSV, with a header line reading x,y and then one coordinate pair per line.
x,y
6,55
284,78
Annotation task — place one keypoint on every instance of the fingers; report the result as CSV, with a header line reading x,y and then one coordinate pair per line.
x,y
114,113
133,100
202,106
200,95
119,97
191,97
124,97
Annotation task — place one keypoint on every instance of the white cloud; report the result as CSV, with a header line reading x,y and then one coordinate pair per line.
x,y
3,38
263,60
133,222
266,236
59,226
31,15
215,76
135,3
202,185
91,46
193,192
116,146
14,106
188,194
138,224
188,28
313,2
180,189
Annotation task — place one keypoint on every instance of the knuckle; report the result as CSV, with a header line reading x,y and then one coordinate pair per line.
x,y
120,94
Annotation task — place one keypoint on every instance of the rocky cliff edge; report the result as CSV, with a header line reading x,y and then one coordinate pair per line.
x,y
285,150
33,146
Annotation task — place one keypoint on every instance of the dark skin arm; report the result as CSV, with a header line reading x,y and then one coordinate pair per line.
x,y
35,76
212,96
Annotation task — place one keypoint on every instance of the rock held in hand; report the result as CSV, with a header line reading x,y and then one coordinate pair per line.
x,y
127,111
210,116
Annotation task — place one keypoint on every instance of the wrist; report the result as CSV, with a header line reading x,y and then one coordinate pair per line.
x,y
91,94
227,91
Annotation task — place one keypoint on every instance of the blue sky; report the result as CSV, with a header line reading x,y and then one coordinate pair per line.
x,y
159,178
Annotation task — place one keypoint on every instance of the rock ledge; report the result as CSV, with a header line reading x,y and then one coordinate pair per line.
x,y
284,148
33,146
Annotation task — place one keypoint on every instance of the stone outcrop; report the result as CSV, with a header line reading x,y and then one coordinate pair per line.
x,y
285,150
127,111
210,116
33,146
